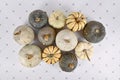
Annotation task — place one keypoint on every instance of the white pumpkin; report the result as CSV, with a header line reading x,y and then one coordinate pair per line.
x,y
23,35
84,50
57,19
30,55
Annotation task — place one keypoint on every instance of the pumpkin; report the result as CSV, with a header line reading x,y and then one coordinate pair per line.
x,y
51,54
30,55
76,21
38,18
23,35
94,32
46,35
66,40
68,62
84,50
57,19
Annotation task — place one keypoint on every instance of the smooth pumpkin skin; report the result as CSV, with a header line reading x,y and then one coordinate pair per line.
x,y
66,60
38,18
94,32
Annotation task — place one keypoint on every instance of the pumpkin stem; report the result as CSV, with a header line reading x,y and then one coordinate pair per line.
x,y
97,31
71,65
37,19
29,56
17,33
86,54
46,37
67,41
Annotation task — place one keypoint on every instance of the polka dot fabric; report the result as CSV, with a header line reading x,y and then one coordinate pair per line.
x,y
104,65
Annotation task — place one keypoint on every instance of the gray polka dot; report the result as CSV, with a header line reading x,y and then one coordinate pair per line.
x,y
13,11
46,4
106,78
26,11
86,4
113,17
106,65
99,71
33,4
53,77
107,11
100,17
19,17
33,71
59,4
100,4
113,72
6,17
66,77
19,4
26,77
113,4
93,11
92,78
6,57
13,77
79,78
6,4
20,70
73,4
6,71
46,71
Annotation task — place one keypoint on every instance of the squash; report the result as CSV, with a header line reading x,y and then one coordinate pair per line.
x,y
76,21
94,32
51,54
30,55
57,19
84,50
68,62
23,34
46,35
66,40
38,18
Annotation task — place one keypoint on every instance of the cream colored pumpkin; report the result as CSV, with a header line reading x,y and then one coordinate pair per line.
x,y
84,50
76,21
57,19
30,55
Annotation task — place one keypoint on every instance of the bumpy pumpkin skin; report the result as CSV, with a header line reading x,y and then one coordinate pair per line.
x,y
68,62
94,32
38,18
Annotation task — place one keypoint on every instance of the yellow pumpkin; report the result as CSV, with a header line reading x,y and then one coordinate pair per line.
x,y
76,21
51,54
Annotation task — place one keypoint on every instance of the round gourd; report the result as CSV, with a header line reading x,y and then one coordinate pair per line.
x,y
84,50
30,55
57,19
76,21
38,18
68,62
94,32
51,54
23,35
66,40
46,35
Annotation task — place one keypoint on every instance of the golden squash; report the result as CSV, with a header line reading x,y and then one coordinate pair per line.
x,y
51,54
76,21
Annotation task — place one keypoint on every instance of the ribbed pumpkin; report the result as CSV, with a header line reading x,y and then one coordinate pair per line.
x,y
51,54
68,62
76,21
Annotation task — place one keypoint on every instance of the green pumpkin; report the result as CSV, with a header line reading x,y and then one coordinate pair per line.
x,y
68,62
94,32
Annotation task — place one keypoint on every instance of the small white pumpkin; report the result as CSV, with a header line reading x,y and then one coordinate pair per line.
x,y
84,50
30,55
23,35
57,19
